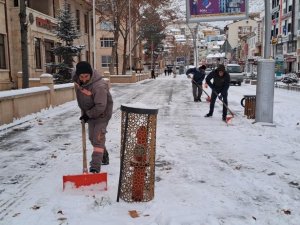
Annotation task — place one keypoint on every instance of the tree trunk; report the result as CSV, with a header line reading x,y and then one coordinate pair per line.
x,y
24,46
114,51
124,68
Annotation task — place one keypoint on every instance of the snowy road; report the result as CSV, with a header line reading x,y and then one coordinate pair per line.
x,y
206,172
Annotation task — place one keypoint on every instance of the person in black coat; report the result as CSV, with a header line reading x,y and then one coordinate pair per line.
x,y
197,79
219,86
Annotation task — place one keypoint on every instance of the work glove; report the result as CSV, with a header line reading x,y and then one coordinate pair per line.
x,y
84,117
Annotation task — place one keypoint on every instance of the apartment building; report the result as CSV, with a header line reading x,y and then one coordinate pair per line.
x,y
41,21
5,73
285,20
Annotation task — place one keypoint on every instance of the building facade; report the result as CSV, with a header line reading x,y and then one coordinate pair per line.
x,y
285,29
41,21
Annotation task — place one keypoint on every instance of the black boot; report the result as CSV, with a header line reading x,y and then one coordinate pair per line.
x,y
105,160
208,115
95,164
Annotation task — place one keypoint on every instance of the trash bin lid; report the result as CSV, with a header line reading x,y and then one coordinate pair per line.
x,y
139,109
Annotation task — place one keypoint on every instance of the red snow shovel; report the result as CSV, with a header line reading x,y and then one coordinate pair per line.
x,y
86,178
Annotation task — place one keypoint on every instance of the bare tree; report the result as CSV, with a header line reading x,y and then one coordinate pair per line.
x,y
117,13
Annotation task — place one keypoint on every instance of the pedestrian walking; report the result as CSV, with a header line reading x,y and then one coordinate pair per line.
x,y
153,74
96,104
219,87
197,79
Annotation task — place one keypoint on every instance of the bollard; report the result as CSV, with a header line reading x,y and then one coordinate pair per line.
x,y
248,102
138,143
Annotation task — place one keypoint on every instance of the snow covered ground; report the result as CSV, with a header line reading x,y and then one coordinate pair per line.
x,y
207,172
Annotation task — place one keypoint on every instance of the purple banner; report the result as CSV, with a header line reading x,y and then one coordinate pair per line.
x,y
218,7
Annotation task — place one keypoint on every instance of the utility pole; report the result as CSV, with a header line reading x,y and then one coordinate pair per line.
x,y
94,38
265,76
24,44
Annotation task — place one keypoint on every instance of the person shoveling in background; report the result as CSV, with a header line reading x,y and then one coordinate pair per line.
x,y
96,104
197,79
219,87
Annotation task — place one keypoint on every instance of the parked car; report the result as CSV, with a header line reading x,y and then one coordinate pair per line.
x,y
236,74
290,78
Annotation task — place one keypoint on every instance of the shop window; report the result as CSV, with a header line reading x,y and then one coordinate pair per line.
x,y
2,52
37,53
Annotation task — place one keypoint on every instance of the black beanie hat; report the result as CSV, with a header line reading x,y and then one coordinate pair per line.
x,y
83,67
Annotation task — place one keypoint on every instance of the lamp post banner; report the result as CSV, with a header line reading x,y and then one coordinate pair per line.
x,y
216,10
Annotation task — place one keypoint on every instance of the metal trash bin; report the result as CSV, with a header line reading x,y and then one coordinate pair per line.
x,y
138,145
249,106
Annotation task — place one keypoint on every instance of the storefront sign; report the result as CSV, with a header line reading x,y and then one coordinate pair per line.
x,y
45,23
290,59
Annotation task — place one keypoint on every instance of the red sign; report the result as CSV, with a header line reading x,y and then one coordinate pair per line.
x,y
45,23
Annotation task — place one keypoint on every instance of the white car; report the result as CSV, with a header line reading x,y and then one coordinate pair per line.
x,y
236,74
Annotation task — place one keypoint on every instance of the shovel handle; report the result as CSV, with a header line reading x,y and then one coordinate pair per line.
x,y
84,160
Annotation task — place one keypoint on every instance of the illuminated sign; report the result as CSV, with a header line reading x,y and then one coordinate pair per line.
x,y
216,10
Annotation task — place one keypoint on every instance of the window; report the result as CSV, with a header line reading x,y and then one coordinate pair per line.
x,y
107,42
16,3
59,57
106,25
86,24
87,56
292,46
289,27
2,52
49,56
78,19
279,49
106,60
37,53
92,25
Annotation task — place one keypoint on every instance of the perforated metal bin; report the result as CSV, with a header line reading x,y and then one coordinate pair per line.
x,y
138,145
